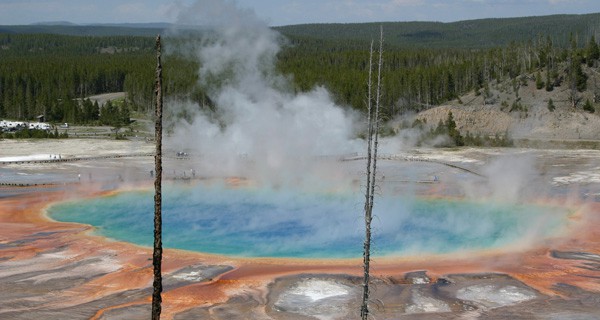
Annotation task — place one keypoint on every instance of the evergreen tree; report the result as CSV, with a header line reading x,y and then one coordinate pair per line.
x,y
125,114
539,83
549,82
588,106
592,52
577,79
454,134
87,107
95,115
551,106
580,78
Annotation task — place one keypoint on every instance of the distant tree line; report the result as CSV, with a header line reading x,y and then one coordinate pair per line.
x,y
470,34
51,75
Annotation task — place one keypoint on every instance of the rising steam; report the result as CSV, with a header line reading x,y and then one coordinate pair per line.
x,y
264,130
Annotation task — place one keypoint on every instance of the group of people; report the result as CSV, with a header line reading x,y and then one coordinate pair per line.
x,y
192,173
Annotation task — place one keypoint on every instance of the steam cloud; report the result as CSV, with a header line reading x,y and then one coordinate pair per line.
x,y
264,130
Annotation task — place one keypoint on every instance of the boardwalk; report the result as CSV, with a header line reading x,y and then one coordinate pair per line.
x,y
342,158
397,157
72,159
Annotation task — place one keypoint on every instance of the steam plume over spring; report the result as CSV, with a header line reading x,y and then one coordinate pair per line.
x,y
260,118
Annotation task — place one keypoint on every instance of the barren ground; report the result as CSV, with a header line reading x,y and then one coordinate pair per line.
x,y
58,270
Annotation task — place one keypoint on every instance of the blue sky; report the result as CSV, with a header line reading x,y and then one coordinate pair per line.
x,y
283,12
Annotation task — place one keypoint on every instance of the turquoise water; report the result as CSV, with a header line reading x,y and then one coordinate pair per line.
x,y
274,223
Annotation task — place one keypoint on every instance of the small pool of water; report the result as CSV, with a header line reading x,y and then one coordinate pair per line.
x,y
284,223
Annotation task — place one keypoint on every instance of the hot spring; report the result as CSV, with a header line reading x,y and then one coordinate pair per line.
x,y
252,222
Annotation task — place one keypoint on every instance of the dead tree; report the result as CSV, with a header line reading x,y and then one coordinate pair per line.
x,y
372,143
157,253
364,310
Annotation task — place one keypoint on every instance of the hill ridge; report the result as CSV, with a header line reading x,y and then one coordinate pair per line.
x,y
474,33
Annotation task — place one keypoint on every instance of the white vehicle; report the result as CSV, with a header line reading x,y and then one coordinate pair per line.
x,y
15,125
39,126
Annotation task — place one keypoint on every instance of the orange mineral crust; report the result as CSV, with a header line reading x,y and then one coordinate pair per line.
x,y
121,273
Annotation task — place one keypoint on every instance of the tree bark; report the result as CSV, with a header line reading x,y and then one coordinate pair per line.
x,y
157,253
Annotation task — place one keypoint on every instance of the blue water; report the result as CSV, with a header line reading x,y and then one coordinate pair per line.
x,y
276,223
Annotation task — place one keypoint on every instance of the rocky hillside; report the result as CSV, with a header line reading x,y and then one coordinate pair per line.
x,y
525,114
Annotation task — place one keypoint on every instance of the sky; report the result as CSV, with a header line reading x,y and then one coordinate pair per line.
x,y
286,12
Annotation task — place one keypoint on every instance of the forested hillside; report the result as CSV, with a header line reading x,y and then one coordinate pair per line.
x,y
417,79
482,33
43,74
50,74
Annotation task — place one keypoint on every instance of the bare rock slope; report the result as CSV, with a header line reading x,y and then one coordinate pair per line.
x,y
523,111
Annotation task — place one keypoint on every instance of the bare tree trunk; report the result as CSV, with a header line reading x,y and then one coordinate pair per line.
x,y
376,121
364,309
157,253
373,120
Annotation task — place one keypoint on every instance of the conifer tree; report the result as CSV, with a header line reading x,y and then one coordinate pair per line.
x,y
592,52
539,83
